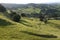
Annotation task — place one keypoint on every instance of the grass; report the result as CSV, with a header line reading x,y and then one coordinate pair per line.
x,y
29,29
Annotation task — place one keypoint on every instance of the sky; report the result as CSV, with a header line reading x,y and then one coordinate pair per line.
x,y
29,1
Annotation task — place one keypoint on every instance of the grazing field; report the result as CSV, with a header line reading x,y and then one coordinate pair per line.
x,y
29,29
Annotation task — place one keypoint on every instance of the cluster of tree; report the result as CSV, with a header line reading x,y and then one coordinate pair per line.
x,y
52,12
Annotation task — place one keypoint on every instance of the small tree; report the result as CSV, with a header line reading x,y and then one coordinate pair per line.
x,y
15,17
43,18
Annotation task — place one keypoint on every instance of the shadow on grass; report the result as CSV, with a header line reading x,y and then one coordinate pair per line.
x,y
25,23
40,35
4,23
54,24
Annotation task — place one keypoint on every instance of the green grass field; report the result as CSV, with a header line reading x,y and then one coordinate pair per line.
x,y
28,29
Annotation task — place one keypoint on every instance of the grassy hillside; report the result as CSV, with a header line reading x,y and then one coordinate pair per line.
x,y
28,29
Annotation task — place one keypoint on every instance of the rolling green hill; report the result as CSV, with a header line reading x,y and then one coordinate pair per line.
x,y
28,29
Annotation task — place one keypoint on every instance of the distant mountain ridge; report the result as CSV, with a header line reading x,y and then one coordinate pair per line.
x,y
14,6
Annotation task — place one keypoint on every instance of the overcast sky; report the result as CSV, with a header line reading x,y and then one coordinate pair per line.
x,y
29,1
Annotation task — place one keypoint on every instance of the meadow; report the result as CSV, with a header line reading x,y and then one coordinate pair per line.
x,y
29,29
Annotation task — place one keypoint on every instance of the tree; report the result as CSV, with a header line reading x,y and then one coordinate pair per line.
x,y
15,17
2,8
43,17
23,14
